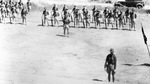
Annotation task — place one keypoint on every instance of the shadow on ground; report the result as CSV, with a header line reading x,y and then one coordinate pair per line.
x,y
98,80
60,35
144,64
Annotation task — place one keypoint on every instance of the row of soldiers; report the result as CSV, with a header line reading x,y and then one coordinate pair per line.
x,y
115,17
11,9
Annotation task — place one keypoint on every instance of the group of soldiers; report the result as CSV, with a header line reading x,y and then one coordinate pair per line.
x,y
116,18
12,9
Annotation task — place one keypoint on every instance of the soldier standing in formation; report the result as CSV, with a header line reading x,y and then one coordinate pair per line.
x,y
66,22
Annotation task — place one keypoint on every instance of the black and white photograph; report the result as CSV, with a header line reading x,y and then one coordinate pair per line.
x,y
74,41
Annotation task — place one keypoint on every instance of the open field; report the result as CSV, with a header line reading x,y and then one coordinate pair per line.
x,y
34,54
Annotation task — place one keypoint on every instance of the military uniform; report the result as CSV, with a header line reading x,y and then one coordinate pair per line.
x,y
45,16
29,6
133,16
110,65
66,22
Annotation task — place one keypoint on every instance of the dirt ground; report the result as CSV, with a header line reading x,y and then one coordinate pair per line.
x,y
33,54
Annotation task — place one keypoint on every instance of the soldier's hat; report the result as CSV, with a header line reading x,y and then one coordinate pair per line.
x,y
111,50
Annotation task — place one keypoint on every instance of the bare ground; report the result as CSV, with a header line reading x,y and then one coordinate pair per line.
x,y
33,54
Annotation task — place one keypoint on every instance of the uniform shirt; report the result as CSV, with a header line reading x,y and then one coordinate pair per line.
x,y
6,5
45,12
111,59
64,9
99,15
20,3
127,12
13,10
23,12
1,2
105,12
10,2
94,10
28,4
115,11
83,10
73,10
54,9
121,17
133,15
2,10
66,19
76,13
110,15
86,14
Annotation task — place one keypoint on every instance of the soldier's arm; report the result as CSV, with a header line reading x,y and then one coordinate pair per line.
x,y
105,65
135,15
115,62
42,14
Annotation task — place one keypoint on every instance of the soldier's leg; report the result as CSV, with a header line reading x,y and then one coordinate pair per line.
x,y
105,23
64,29
78,22
113,75
100,24
0,19
117,23
112,24
3,18
74,22
14,20
84,23
47,22
134,25
44,20
109,76
68,29
88,21
97,25
126,20
57,21
122,24
108,20
72,17
95,22
129,24
10,19
52,20
24,20
109,73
